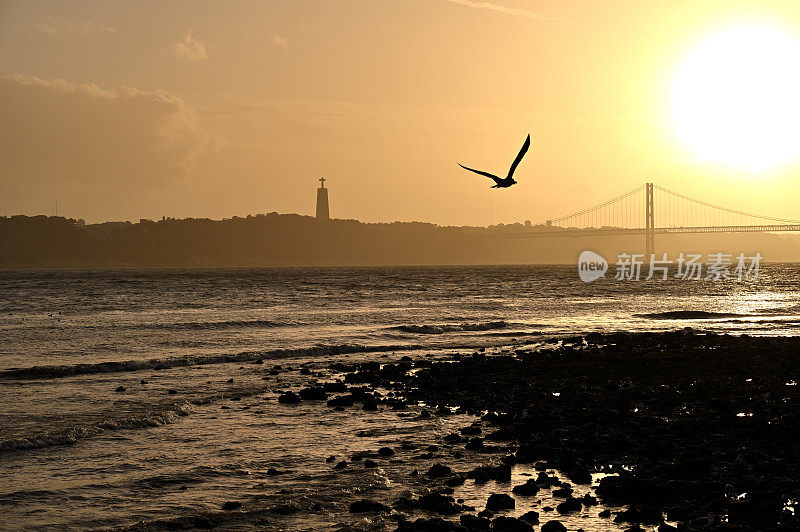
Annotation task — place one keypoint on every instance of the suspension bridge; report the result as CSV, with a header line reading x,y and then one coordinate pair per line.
x,y
650,210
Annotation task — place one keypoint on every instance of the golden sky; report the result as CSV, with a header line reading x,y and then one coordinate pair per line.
x,y
125,110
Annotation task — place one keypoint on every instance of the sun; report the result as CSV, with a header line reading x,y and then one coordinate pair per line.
x,y
736,99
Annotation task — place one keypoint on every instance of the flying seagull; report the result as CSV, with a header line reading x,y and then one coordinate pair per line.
x,y
508,181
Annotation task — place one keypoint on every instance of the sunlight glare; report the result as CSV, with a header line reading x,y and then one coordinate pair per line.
x,y
736,99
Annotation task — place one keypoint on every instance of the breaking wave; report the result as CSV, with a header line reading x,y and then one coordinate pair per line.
x,y
690,315
446,328
72,434
46,372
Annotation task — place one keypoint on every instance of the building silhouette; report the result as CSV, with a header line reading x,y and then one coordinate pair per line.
x,y
323,212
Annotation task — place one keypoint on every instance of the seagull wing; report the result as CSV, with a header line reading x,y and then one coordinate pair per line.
x,y
486,174
520,155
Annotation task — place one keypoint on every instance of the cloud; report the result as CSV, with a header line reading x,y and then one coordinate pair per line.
x,y
190,49
60,27
58,134
476,4
280,42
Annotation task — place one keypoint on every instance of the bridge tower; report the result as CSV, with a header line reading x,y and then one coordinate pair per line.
x,y
649,232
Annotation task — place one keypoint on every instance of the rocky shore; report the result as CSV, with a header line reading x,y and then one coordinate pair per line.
x,y
698,430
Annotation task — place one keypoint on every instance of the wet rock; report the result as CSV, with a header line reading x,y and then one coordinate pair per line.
x,y
483,474
439,503
285,509
438,470
531,517
473,522
605,513
289,398
455,480
664,527
231,505
415,473
368,505
230,381
500,501
273,472
510,524
640,514
589,500
435,524
432,448
340,465
335,387
313,393
331,458
486,514
370,406
341,400
528,489
172,391
453,437
562,492
143,381
120,389
572,504
474,444
580,476
553,526
472,430
385,452
370,463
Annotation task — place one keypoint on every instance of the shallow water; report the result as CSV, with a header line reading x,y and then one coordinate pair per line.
x,y
77,454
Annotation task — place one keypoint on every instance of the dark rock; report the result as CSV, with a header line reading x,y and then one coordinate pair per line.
x,y
440,504
143,381
605,513
474,444
231,505
313,393
562,492
120,389
368,505
370,463
342,400
486,514
500,501
341,465
570,505
510,524
589,500
640,514
386,451
531,517
528,489
289,398
553,526
172,391
331,458
438,470
370,406
473,522
272,472
230,381
285,509
580,476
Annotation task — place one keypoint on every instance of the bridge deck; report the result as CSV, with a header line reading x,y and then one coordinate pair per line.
x,y
611,231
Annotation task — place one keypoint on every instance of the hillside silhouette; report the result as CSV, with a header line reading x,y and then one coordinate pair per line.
x,y
294,240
